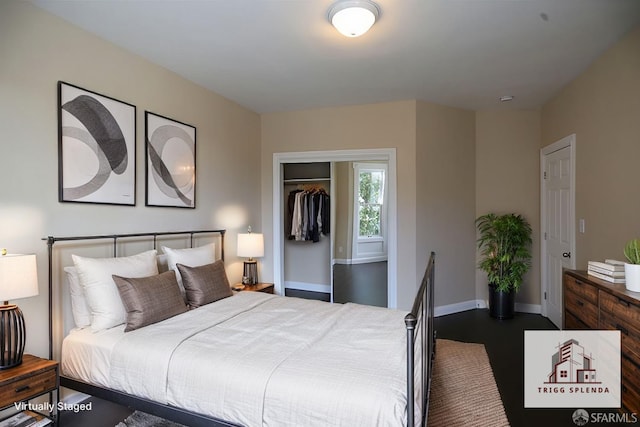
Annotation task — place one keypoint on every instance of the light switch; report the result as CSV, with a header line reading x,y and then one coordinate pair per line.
x,y
581,225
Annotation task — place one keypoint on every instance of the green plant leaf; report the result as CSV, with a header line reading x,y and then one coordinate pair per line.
x,y
505,248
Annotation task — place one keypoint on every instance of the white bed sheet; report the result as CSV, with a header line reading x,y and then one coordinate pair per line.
x,y
86,355
259,360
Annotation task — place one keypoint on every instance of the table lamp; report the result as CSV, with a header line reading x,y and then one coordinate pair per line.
x,y
250,245
18,279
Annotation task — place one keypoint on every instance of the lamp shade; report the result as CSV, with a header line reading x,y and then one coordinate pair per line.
x,y
250,245
18,277
353,18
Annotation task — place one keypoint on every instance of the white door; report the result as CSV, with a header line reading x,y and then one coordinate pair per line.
x,y
558,243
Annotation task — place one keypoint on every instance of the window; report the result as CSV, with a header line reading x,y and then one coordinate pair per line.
x,y
563,374
370,186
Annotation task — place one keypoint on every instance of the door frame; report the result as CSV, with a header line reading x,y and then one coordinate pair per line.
x,y
355,233
568,141
379,154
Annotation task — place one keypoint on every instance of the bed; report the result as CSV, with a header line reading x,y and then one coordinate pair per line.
x,y
254,359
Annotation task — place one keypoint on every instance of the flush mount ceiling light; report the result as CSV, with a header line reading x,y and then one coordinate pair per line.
x,y
353,18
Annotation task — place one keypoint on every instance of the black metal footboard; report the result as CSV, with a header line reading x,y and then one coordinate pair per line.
x,y
420,334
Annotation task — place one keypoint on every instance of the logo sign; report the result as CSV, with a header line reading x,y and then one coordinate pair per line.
x,y
569,369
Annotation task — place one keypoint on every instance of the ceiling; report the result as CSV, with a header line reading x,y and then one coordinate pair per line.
x,y
282,55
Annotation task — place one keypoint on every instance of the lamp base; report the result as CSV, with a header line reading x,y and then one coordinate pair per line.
x,y
12,336
251,272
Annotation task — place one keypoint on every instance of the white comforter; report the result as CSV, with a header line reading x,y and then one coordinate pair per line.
x,y
262,360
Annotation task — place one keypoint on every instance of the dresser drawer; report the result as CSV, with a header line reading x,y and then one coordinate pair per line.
x,y
582,309
630,370
628,313
573,322
629,335
630,387
25,388
630,399
582,290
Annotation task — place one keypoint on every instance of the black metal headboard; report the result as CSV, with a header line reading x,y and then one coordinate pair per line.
x,y
51,240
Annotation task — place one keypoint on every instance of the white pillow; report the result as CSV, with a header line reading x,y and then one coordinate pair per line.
x,y
79,306
100,290
191,257
161,259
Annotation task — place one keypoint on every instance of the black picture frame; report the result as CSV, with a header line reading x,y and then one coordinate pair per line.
x,y
96,148
170,162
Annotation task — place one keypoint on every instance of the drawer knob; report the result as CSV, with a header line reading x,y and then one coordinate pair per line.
x,y
23,388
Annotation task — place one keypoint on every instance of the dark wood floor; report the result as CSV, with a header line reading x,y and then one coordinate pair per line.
x,y
102,414
503,340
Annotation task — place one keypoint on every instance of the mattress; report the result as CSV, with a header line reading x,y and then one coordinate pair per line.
x,y
258,360
86,355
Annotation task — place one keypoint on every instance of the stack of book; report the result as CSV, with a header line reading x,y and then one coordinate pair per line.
x,y
609,270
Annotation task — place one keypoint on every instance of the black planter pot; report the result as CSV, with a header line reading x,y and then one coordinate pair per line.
x,y
501,304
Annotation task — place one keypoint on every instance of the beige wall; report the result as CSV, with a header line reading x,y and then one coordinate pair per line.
x,y
602,107
388,125
445,175
37,50
435,183
508,180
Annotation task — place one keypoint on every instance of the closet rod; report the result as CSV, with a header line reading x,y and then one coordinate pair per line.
x,y
303,180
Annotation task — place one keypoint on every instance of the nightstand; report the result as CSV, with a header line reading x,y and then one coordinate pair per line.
x,y
266,288
34,377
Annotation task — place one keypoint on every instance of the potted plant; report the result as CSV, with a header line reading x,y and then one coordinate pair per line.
x,y
505,249
632,268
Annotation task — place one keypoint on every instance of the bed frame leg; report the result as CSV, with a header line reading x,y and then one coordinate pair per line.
x,y
410,322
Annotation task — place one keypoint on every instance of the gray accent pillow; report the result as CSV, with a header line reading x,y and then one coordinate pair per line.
x,y
150,300
205,284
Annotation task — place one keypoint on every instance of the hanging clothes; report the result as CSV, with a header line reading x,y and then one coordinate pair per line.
x,y
308,214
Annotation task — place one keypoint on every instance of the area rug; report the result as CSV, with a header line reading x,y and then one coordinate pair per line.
x,y
463,389
141,419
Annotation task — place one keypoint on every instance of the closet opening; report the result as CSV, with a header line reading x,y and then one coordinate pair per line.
x,y
318,270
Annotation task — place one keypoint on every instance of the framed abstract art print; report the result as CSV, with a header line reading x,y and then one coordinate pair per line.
x,y
170,148
96,148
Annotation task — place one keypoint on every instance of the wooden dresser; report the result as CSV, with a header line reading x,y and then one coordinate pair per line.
x,y
591,303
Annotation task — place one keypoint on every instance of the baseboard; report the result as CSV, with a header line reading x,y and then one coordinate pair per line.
x,y
443,310
303,286
528,308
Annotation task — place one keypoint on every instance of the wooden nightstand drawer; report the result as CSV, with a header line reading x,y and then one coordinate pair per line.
x,y
266,288
26,388
34,377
